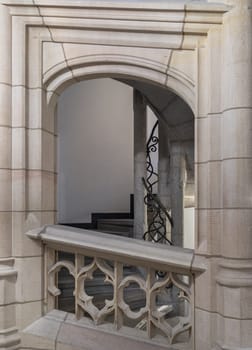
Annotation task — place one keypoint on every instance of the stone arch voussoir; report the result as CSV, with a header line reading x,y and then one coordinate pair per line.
x,y
62,75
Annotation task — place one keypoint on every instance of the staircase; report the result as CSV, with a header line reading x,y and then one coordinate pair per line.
x,y
120,227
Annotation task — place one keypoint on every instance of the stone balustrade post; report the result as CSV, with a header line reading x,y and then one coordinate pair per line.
x,y
164,171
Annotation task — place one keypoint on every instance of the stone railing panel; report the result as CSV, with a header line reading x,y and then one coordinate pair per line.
x,y
137,286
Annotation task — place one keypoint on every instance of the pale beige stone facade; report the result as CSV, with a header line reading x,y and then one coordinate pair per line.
x,y
199,50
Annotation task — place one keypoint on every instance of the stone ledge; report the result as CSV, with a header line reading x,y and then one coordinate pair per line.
x,y
170,5
60,330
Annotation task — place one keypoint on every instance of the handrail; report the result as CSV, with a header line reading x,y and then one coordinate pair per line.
x,y
143,252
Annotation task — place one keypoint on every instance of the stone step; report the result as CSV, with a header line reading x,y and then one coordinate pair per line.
x,y
117,233
115,225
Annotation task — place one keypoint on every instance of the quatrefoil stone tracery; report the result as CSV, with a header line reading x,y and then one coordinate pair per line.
x,y
84,300
123,305
151,285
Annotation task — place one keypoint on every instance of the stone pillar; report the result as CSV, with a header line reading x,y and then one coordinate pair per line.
x,y
8,331
177,177
164,171
234,278
5,133
163,164
223,294
140,122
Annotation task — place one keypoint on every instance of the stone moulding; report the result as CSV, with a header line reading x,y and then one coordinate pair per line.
x,y
7,268
8,274
235,274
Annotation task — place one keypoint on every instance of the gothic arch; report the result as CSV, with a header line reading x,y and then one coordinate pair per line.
x,y
61,76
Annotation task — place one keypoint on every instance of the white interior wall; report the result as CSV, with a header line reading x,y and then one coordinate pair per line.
x,y
95,149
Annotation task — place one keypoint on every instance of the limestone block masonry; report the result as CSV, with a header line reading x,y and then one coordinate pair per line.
x,y
200,50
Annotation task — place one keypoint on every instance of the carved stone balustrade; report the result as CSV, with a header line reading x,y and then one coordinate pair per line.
x,y
164,277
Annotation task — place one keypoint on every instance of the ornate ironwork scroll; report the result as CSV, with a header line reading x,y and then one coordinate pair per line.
x,y
157,231
151,147
156,212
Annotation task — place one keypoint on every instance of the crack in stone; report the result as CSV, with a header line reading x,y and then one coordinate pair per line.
x,y
67,64
52,40
57,335
179,48
167,67
43,20
221,314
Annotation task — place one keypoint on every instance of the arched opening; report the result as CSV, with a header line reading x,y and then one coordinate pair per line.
x,y
96,160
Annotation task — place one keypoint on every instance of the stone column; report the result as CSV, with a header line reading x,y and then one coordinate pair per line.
x,y
177,177
234,278
5,133
164,170
8,332
208,203
163,164
140,122
223,294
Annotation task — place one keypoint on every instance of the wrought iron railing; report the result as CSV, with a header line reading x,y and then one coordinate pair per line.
x,y
157,214
167,314
157,218
151,147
